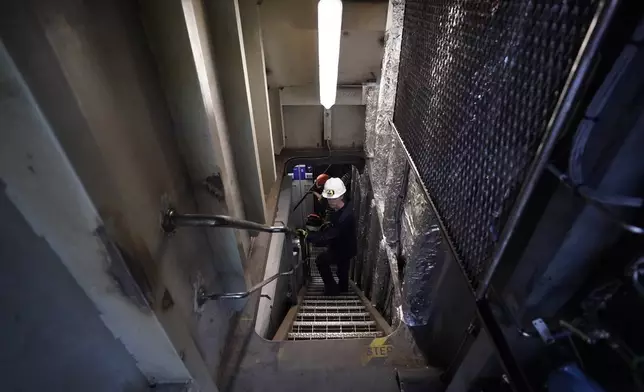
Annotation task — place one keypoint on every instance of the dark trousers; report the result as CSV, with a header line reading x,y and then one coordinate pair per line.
x,y
324,262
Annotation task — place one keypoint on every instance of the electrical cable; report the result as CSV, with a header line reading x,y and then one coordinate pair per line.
x,y
310,189
575,172
328,146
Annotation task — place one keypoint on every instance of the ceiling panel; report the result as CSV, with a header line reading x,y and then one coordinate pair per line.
x,y
289,29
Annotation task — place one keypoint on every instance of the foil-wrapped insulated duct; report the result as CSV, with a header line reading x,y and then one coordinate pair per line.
x,y
396,188
423,258
373,239
365,200
381,277
424,250
377,168
357,204
370,98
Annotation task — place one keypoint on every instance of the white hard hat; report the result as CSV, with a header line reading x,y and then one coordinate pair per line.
x,y
333,188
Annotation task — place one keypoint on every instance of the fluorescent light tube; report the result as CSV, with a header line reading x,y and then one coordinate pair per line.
x,y
329,31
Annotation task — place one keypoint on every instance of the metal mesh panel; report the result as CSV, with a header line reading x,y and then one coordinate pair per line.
x,y
478,83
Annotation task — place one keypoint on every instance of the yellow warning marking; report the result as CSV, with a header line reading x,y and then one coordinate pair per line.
x,y
377,349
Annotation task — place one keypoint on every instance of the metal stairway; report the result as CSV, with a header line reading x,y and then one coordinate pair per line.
x,y
331,343
320,317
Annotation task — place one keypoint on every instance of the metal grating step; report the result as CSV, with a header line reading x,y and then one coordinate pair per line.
x,y
337,309
325,318
332,302
353,314
331,297
320,291
332,335
333,323
333,329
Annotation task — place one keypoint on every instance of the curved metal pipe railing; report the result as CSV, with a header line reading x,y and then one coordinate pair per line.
x,y
203,296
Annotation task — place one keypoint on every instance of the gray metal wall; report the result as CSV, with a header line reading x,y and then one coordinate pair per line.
x,y
53,338
92,78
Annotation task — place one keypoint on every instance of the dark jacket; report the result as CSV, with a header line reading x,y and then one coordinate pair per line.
x,y
340,236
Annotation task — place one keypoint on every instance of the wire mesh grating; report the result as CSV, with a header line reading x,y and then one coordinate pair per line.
x,y
478,83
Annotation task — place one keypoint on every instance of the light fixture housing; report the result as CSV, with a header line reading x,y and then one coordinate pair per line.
x,y
329,32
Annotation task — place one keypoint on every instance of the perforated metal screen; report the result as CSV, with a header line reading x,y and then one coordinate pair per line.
x,y
478,83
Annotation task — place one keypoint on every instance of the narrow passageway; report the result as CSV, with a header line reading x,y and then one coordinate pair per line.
x,y
170,170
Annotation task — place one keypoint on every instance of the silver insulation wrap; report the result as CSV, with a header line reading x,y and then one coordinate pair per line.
x,y
396,227
396,222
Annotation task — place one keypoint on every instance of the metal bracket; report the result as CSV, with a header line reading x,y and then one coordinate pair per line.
x,y
543,330
328,125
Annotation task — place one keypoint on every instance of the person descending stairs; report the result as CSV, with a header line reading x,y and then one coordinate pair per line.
x,y
343,316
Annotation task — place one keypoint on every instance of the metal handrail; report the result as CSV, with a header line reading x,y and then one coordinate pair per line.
x,y
203,296
172,219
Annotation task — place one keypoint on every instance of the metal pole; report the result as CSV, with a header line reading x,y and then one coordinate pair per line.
x,y
572,92
172,220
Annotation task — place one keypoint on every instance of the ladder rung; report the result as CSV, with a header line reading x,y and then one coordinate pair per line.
x,y
334,301
331,297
